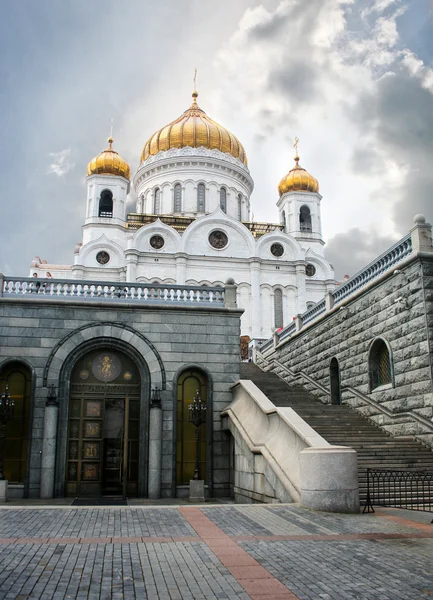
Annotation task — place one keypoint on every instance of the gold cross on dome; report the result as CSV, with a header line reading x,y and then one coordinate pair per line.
x,y
195,80
295,145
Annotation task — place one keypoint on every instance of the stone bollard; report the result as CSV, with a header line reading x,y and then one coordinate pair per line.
x,y
329,479
3,491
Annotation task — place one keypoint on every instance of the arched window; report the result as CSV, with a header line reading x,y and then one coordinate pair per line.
x,y
305,219
17,378
187,385
334,376
240,207
200,197
379,364
177,198
283,214
278,308
223,199
106,204
157,201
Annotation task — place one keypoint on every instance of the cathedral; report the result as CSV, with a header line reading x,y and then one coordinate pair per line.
x,y
193,225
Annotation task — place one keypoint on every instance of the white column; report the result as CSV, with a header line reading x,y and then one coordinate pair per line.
x,y
49,449
131,267
181,270
155,450
300,284
256,316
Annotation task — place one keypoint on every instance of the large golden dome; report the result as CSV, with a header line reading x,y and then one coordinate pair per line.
x,y
298,180
108,163
194,129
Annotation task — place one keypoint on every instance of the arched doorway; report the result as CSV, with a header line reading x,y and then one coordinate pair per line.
x,y
188,383
103,426
334,375
17,378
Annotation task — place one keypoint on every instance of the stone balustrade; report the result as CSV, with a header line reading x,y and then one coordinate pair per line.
x,y
280,458
71,289
380,266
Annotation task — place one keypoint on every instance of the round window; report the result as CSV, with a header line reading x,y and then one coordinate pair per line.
x,y
277,249
310,270
218,239
157,242
102,257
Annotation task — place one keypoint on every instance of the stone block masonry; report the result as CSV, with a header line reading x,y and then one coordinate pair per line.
x,y
46,333
399,310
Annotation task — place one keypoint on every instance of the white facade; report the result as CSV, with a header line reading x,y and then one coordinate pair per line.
x,y
211,190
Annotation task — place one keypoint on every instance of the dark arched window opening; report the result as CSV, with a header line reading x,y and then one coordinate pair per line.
x,y
17,378
334,375
379,365
278,308
188,384
200,197
177,198
283,214
223,199
305,219
157,201
106,204
240,207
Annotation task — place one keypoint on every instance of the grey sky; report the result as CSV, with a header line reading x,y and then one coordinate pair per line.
x,y
352,79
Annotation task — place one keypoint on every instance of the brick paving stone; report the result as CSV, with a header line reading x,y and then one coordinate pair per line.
x,y
271,552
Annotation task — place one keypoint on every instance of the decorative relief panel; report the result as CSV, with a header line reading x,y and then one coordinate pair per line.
x,y
92,429
157,242
106,366
218,239
277,250
90,471
102,257
93,408
78,388
91,450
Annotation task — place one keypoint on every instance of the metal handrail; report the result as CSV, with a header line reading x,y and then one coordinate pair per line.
x,y
382,409
409,489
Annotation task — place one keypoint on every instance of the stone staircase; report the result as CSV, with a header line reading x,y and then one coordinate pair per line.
x,y
343,426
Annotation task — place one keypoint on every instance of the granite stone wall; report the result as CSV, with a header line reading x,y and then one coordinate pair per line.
x,y
398,309
46,333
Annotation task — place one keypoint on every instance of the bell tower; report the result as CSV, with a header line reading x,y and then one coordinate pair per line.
x,y
108,185
299,205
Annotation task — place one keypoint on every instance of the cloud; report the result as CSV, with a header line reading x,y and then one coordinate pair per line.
x,y
338,75
352,250
61,163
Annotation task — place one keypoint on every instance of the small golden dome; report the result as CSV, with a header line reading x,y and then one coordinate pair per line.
x,y
108,163
298,180
194,129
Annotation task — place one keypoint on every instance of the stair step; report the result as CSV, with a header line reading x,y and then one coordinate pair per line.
x,y
343,426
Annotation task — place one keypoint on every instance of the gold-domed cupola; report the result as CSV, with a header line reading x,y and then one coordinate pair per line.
x,y
298,179
109,162
194,129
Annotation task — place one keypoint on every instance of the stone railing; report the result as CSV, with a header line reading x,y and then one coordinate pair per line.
x,y
422,425
71,289
384,263
318,309
280,458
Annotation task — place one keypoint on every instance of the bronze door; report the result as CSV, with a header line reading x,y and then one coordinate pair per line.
x,y
102,446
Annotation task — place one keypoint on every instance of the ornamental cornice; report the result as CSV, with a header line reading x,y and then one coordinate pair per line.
x,y
170,159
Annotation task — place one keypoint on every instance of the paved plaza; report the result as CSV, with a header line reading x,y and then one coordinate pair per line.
x,y
226,551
